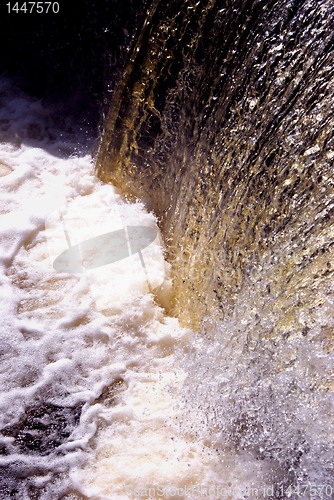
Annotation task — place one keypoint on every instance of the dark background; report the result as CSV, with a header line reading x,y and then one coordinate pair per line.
x,y
74,56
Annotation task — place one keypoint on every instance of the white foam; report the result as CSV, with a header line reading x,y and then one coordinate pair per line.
x,y
95,343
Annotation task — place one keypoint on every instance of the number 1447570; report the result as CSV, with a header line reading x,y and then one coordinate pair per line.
x,y
33,7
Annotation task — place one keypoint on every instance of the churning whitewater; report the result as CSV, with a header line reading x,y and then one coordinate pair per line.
x,y
195,363
91,367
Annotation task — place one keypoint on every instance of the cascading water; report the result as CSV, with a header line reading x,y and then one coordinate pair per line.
x,y
223,124
220,119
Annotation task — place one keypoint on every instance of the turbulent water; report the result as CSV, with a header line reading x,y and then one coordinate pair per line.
x,y
92,369
198,363
222,123
81,354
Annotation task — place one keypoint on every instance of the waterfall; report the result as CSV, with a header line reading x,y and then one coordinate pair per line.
x,y
167,302
222,123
